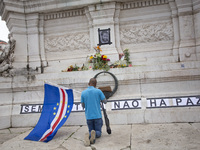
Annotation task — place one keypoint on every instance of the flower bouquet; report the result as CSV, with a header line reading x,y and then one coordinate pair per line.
x,y
98,60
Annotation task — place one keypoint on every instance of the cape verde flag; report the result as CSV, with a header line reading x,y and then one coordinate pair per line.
x,y
58,103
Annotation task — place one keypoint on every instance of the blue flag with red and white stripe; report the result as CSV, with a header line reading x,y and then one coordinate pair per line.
x,y
58,103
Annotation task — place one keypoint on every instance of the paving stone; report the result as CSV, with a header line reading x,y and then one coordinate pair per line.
x,y
6,137
176,136
4,131
165,136
19,130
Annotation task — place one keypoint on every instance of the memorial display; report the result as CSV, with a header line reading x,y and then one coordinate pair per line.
x,y
151,46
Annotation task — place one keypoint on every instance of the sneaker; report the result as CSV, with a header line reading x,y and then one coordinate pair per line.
x,y
86,140
93,136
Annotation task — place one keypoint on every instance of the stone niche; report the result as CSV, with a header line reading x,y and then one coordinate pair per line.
x,y
162,37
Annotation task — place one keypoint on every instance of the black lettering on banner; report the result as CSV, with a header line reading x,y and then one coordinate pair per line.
x,y
185,101
198,102
153,101
126,104
189,101
178,100
76,105
118,105
137,103
157,103
26,108
33,108
162,102
40,108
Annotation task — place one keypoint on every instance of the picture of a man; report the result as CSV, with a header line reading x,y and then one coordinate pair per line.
x,y
105,36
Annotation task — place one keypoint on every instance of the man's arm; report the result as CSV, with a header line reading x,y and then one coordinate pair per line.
x,y
104,101
82,101
83,105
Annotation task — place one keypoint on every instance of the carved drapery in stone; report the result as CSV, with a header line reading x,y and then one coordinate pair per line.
x,y
67,42
146,33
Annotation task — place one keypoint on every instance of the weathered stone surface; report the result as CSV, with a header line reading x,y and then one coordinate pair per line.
x,y
128,137
165,136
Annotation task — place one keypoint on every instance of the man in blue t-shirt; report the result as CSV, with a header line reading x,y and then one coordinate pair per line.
x,y
91,100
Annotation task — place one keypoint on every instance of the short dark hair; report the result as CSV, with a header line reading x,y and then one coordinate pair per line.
x,y
93,82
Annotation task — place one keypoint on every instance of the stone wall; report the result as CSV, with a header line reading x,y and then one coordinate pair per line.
x,y
162,37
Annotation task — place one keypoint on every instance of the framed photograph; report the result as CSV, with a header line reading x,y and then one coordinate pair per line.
x,y
104,36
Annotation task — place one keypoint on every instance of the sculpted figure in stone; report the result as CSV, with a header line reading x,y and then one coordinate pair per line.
x,y
7,57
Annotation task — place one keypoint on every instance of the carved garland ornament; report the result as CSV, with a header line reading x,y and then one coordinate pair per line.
x,y
67,42
146,33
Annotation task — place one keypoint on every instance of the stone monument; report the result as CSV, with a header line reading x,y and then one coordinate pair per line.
x,y
163,38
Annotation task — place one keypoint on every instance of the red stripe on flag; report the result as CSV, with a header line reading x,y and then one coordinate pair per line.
x,y
59,117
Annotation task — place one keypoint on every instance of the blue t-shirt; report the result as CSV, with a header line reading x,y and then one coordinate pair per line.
x,y
92,97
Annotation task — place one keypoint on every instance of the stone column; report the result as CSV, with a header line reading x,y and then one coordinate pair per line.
x,y
33,46
36,58
104,16
175,21
187,47
196,13
17,26
117,34
92,43
42,54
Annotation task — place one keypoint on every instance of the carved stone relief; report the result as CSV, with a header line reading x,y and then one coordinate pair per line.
x,y
67,42
146,33
7,58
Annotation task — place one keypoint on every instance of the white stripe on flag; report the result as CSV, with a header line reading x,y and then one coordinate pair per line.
x,y
58,113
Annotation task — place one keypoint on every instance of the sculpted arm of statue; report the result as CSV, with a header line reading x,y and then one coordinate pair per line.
x,y
5,67
4,54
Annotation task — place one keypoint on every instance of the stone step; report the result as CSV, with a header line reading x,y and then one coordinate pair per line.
x,y
128,73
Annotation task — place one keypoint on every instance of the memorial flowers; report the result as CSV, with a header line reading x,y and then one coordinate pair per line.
x,y
124,60
99,61
127,58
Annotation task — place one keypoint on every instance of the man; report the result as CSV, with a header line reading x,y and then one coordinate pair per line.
x,y
91,100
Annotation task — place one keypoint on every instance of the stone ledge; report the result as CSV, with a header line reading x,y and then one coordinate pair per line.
x,y
145,74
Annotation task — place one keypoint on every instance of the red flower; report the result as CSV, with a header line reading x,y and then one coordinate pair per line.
x,y
104,57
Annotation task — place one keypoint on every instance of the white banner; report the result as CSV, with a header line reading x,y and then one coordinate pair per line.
x,y
126,104
173,102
